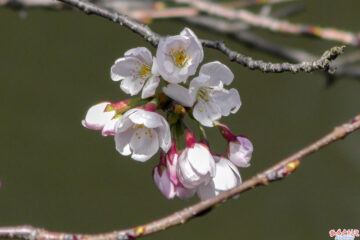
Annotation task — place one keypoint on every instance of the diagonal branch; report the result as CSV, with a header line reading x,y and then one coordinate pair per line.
x,y
274,173
153,38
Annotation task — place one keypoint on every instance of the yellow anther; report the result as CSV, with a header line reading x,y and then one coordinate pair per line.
x,y
201,109
179,57
140,126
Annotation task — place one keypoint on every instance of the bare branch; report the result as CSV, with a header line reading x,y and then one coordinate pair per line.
x,y
154,38
274,173
338,67
274,25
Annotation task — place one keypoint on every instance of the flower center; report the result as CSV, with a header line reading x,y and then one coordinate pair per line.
x,y
141,131
179,57
203,94
143,72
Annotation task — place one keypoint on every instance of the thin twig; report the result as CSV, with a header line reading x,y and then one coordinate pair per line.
x,y
276,172
338,67
273,24
154,38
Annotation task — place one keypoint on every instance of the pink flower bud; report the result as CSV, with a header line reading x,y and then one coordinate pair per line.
x,y
240,151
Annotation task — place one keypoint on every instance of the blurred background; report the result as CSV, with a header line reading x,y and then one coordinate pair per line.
x,y
58,175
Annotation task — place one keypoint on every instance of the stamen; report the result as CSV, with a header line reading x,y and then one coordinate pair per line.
x,y
179,57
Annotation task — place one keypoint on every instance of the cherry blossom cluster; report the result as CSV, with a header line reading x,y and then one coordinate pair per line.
x,y
156,120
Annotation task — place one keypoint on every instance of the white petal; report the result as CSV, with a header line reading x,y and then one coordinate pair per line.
x,y
187,176
148,119
218,72
227,176
227,100
145,147
142,53
201,159
123,67
179,94
122,142
207,113
154,68
96,117
150,87
131,85
169,66
164,135
124,123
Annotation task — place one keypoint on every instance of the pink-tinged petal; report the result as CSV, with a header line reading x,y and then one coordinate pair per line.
x,y
96,117
184,193
218,72
240,151
163,183
206,113
227,100
144,147
150,87
122,142
171,167
109,128
141,53
132,85
179,94
123,68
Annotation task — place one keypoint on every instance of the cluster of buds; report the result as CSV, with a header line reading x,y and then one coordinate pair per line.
x,y
156,120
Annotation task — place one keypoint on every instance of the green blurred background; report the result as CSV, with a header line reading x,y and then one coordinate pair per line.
x,y
58,175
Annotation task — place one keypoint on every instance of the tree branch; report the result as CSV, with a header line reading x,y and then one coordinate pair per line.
x,y
274,173
273,24
154,38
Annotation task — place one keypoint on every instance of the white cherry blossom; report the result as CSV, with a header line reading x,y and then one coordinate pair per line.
x,y
97,118
196,165
179,56
208,94
140,133
227,177
136,70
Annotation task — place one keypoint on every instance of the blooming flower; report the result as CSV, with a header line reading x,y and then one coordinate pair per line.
x,y
98,118
179,56
135,70
227,177
239,148
196,165
140,133
207,92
